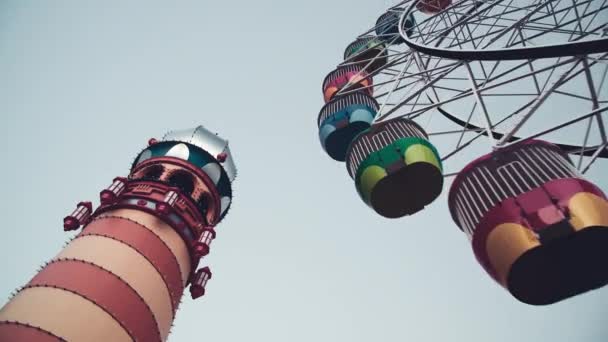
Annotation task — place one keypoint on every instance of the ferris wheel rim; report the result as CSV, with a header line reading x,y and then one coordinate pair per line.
x,y
598,151
435,68
535,52
510,137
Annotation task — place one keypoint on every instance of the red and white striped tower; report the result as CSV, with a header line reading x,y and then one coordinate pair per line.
x,y
121,278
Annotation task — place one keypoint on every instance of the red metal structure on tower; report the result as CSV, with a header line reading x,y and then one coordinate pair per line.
x,y
122,277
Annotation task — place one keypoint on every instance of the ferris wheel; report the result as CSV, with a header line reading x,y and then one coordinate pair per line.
x,y
508,100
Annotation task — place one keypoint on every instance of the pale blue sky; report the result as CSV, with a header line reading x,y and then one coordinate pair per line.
x,y
84,84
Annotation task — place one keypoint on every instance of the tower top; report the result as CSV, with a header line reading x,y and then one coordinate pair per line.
x,y
208,141
204,152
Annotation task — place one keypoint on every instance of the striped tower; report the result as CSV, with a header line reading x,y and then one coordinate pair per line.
x,y
121,278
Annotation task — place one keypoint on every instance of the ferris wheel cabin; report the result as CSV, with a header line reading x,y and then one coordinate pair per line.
x,y
369,53
432,6
387,26
397,171
536,226
342,119
350,77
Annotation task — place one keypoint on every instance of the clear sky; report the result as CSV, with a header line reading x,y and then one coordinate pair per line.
x,y
84,84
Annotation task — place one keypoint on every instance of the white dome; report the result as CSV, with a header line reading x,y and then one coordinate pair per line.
x,y
208,141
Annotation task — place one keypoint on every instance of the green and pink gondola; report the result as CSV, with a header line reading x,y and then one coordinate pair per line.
x,y
397,171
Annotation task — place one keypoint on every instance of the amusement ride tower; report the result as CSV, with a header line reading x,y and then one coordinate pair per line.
x,y
121,278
